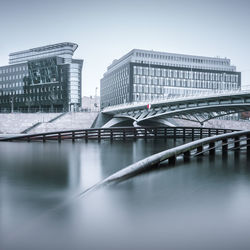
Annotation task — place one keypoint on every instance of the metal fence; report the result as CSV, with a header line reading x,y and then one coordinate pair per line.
x,y
122,133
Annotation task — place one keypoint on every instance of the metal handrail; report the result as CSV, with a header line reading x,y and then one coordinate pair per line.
x,y
169,154
99,133
175,99
154,160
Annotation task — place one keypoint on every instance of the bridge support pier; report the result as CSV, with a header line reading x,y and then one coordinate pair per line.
x,y
236,143
199,150
186,156
224,146
248,143
172,160
211,148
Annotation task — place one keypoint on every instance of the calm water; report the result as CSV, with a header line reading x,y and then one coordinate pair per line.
x,y
203,204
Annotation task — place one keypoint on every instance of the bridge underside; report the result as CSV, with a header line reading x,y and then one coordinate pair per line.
x,y
198,114
128,122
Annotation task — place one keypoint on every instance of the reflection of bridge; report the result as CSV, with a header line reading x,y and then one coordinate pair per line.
x,y
198,109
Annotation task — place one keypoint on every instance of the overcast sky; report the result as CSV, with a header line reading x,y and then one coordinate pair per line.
x,y
107,29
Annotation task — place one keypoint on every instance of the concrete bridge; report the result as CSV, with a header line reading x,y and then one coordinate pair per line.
x,y
193,108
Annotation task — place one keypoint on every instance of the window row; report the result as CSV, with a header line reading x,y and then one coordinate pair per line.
x,y
13,69
189,84
30,99
183,58
11,85
148,72
31,90
183,65
12,77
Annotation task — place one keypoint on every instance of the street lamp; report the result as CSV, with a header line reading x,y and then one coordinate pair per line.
x,y
12,104
149,86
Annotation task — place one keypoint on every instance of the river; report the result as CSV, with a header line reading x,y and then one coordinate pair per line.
x,y
201,204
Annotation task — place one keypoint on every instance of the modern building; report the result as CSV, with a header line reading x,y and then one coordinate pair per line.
x,y
46,78
143,75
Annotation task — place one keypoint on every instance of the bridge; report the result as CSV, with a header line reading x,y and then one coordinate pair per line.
x,y
193,108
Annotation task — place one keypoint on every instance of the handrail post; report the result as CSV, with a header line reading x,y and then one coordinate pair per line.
x,y
99,134
201,130
134,133
192,134
174,133
184,133
145,133
165,132
44,138
111,134
73,136
209,132
59,137
124,134
86,135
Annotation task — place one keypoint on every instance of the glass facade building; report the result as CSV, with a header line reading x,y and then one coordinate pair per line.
x,y
143,75
42,79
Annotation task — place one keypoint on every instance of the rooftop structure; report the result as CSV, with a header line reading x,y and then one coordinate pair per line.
x,y
64,50
172,59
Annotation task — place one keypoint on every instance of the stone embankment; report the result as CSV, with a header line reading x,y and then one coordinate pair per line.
x,y
18,123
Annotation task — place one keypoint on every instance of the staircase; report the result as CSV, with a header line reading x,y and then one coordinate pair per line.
x,y
67,121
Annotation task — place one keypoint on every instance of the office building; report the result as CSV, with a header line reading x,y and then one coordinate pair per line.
x,y
143,75
46,78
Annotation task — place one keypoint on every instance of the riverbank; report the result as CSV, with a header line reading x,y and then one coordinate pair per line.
x,y
20,123
31,123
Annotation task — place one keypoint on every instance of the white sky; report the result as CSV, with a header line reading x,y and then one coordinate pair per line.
x,y
107,29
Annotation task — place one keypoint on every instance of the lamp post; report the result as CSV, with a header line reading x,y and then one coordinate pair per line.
x,y
149,80
12,104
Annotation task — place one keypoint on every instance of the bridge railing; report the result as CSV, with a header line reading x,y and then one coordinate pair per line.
x,y
215,93
122,133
